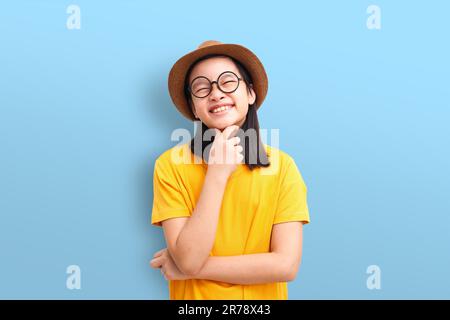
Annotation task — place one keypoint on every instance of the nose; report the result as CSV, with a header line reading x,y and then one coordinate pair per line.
x,y
216,94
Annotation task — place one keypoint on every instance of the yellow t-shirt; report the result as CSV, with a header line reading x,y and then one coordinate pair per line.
x,y
253,201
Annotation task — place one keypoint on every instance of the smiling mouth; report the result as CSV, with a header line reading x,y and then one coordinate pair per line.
x,y
221,110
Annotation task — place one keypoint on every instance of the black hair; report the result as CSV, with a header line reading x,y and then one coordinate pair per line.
x,y
255,155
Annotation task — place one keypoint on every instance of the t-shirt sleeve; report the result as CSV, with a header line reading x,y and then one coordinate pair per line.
x,y
292,202
168,200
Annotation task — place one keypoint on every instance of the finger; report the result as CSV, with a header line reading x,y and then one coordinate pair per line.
x,y
239,148
217,134
160,252
157,262
235,141
230,131
163,272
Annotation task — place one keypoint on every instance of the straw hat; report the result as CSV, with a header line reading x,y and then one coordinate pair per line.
x,y
246,57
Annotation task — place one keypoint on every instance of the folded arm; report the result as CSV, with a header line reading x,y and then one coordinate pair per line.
x,y
190,240
279,265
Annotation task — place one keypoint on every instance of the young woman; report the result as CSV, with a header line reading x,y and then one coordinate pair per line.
x,y
233,214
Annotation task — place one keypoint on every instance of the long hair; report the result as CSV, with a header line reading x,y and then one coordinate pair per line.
x,y
255,155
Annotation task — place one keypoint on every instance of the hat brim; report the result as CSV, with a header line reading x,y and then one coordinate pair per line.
x,y
246,57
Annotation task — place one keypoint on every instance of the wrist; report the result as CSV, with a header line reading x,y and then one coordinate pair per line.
x,y
196,276
217,176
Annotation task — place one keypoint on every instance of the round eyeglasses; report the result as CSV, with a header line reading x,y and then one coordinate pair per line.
x,y
227,82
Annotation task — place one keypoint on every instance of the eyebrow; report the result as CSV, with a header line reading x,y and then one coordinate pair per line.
x,y
236,72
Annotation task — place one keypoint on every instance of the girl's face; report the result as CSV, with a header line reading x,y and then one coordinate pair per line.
x,y
237,101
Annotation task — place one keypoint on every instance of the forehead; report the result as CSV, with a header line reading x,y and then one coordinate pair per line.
x,y
213,67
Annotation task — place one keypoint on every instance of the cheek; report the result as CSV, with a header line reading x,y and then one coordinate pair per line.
x,y
201,108
242,100
242,105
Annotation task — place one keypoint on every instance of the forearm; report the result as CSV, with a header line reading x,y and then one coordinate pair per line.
x,y
246,269
196,239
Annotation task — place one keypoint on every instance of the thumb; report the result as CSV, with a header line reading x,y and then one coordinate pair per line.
x,y
217,132
230,131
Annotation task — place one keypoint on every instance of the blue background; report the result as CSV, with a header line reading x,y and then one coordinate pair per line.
x,y
84,114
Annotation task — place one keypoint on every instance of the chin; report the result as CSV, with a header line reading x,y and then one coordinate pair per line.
x,y
223,124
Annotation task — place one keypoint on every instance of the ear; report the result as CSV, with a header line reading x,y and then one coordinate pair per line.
x,y
251,95
193,109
